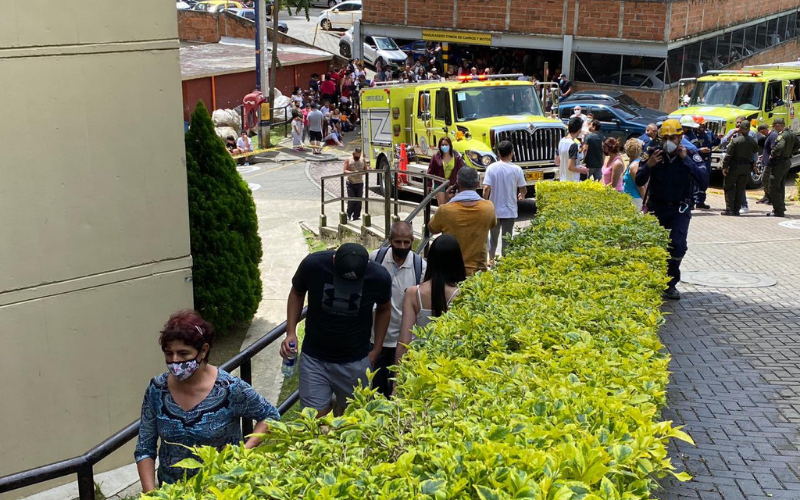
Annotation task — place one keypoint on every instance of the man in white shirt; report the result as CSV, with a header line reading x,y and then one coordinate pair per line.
x,y
407,269
503,185
568,169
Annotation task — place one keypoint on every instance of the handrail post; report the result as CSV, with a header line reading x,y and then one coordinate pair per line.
x,y
426,218
246,374
366,218
396,198
86,482
387,192
342,213
323,219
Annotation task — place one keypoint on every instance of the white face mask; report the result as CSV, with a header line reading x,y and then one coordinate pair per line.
x,y
670,147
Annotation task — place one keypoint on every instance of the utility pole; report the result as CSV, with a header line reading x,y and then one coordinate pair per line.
x,y
274,63
261,71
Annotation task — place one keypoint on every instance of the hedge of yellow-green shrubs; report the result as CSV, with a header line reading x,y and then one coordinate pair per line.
x,y
544,381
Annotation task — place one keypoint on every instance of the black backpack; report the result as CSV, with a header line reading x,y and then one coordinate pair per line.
x,y
417,262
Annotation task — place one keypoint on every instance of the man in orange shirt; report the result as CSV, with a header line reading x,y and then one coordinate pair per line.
x,y
467,217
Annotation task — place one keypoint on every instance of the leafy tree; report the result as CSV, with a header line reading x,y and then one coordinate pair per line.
x,y
226,248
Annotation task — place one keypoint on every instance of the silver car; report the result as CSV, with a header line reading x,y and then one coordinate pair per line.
x,y
251,15
376,48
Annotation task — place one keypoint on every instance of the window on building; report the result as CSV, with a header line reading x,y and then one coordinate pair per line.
x,y
598,68
629,71
761,36
782,31
675,64
772,33
791,26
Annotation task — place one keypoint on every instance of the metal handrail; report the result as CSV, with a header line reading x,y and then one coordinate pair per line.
x,y
83,465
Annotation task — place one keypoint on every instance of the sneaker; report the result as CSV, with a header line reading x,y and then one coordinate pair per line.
x,y
744,210
773,214
247,164
763,201
671,293
704,206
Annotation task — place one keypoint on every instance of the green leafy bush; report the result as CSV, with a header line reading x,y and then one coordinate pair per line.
x,y
226,248
544,381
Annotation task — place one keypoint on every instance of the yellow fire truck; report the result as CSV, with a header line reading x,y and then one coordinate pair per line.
x,y
475,114
760,93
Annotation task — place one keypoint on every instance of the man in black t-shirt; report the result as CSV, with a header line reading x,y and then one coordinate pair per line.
x,y
594,151
564,85
342,289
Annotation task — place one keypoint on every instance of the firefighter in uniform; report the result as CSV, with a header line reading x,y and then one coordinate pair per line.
x,y
673,176
737,165
786,146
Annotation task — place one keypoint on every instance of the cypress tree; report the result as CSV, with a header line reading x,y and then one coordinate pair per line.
x,y
226,247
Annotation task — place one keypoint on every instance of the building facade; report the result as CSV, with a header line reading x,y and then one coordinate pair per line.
x,y
643,47
94,228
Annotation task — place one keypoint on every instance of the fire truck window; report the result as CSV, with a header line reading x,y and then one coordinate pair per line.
x,y
774,95
442,103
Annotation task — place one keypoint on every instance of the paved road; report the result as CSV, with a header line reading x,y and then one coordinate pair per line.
x,y
736,361
309,31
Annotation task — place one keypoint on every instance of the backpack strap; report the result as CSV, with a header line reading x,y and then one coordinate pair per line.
x,y
381,255
417,268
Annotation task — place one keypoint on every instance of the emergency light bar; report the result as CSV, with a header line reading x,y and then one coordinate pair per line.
x,y
482,78
734,72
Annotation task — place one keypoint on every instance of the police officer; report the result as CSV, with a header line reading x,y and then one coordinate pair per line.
x,y
736,167
725,142
673,177
786,145
769,137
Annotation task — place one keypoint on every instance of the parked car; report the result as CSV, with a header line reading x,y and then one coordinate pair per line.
x,y
324,3
617,120
616,96
216,5
251,15
645,78
417,49
376,48
342,16
181,5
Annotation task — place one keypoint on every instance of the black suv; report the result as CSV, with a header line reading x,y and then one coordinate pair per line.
x,y
615,96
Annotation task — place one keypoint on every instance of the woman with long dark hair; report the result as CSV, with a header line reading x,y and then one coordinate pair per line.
x,y
431,298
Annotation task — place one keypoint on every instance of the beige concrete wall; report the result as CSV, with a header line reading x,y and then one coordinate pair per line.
x,y
94,235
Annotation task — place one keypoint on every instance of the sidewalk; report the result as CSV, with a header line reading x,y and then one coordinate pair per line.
x,y
735,366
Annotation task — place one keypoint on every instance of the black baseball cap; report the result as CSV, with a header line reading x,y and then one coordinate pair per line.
x,y
349,267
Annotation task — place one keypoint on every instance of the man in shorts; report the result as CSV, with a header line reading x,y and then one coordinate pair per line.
x,y
315,119
342,288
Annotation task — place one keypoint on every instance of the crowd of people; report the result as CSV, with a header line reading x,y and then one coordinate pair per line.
x,y
668,169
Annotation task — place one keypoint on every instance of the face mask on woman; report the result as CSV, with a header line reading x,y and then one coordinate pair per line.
x,y
184,370
445,149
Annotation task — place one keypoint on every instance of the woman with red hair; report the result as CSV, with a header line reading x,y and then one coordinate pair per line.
x,y
192,404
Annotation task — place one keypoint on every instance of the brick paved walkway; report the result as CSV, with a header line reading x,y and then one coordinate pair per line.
x,y
736,363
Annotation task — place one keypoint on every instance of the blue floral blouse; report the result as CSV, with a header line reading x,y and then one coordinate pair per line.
x,y
215,421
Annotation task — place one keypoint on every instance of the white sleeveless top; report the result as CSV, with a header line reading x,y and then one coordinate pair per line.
x,y
425,316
